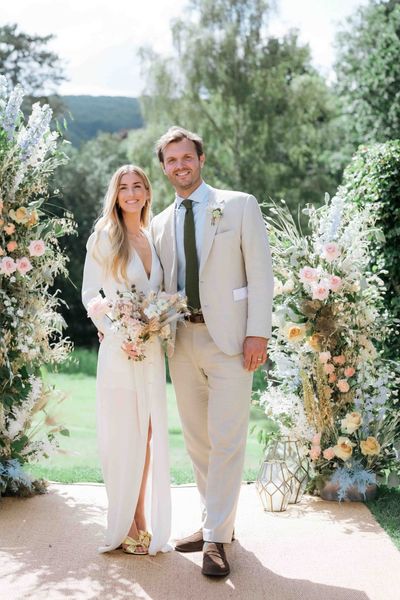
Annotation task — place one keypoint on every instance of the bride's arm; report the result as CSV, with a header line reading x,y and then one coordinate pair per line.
x,y
93,280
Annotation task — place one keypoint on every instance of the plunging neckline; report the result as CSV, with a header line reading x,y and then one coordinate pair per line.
x,y
148,276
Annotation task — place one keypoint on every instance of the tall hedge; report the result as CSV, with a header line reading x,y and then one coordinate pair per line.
x,y
373,176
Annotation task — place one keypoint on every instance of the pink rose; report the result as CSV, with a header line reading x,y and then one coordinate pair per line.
x,y
315,452
9,229
331,251
335,283
97,307
23,265
349,371
328,453
320,291
339,360
37,248
308,275
8,265
343,385
11,246
332,378
329,368
324,357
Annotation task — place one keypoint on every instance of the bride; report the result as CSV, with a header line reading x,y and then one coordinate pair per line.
x,y
130,396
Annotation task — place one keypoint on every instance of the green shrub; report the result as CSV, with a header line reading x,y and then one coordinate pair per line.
x,y
373,176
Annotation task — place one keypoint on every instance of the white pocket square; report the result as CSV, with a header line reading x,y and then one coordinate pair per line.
x,y
240,294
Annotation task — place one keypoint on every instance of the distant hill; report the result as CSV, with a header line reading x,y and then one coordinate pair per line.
x,y
89,115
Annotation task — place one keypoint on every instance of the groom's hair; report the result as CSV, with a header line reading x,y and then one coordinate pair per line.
x,y
177,134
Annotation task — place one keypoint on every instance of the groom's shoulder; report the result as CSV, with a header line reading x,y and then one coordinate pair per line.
x,y
231,197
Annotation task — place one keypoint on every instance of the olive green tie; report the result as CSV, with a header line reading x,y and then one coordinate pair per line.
x,y
192,265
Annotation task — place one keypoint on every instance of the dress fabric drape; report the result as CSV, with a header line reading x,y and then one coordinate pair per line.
x,y
129,395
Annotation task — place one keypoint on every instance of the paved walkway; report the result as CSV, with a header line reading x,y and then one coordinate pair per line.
x,y
315,550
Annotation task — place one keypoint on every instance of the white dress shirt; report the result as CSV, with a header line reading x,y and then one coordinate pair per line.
x,y
200,202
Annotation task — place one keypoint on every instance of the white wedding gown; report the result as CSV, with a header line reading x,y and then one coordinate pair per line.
x,y
128,395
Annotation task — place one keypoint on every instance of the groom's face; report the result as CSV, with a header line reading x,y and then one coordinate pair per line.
x,y
183,166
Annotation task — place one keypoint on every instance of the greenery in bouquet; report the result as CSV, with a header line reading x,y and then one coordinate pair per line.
x,y
30,258
329,387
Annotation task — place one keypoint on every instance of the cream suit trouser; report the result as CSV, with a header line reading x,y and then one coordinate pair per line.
x,y
213,392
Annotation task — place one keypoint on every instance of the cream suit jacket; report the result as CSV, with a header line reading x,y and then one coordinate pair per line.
x,y
235,272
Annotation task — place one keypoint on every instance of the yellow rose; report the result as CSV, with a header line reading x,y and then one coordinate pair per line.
x,y
351,422
295,333
370,446
21,215
343,448
315,342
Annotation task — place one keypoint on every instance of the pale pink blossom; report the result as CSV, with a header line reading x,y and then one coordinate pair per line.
x,y
328,453
332,378
23,265
308,275
97,307
37,248
11,246
320,291
329,368
331,251
315,452
316,441
349,371
324,356
343,385
335,283
8,265
9,229
339,360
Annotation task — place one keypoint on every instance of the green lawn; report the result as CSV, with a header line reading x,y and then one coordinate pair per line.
x,y
78,460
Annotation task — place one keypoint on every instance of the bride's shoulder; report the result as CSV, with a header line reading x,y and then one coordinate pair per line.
x,y
99,239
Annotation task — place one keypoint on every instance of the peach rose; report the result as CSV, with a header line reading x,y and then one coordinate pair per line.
x,y
328,453
316,441
343,385
343,448
21,215
315,452
351,422
33,218
314,342
349,371
324,357
11,246
9,228
332,378
370,446
23,265
329,368
339,360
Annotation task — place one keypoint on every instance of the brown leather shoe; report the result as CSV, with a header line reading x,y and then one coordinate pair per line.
x,y
215,563
193,543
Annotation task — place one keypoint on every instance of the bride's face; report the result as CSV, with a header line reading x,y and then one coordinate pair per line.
x,y
132,194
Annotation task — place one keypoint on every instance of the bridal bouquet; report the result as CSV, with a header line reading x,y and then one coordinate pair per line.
x,y
332,389
139,317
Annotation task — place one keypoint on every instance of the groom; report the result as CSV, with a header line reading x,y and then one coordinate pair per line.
x,y
213,246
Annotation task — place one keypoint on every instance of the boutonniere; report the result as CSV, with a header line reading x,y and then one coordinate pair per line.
x,y
216,214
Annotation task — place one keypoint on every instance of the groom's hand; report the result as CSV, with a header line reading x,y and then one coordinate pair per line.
x,y
254,352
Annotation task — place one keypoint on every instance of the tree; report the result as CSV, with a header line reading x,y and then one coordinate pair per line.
x,y
368,72
266,116
84,180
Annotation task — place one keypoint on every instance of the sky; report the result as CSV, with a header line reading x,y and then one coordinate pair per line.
x,y
98,40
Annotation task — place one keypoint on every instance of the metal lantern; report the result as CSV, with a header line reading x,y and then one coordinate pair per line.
x,y
273,485
287,450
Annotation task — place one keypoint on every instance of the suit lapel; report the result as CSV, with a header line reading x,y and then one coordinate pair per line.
x,y
210,229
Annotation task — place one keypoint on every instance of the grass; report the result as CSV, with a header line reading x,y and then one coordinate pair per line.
x,y
78,460
386,510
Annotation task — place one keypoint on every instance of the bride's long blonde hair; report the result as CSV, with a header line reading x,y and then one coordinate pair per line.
x,y
111,220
